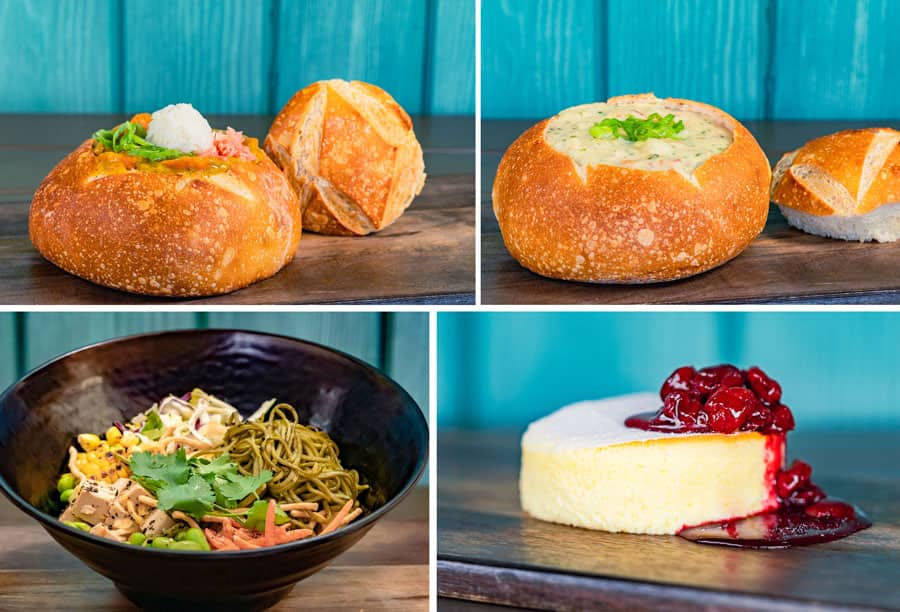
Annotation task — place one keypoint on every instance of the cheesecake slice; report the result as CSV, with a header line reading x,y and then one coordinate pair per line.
x,y
582,466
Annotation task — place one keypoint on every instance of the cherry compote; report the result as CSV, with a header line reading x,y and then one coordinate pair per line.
x,y
724,399
719,399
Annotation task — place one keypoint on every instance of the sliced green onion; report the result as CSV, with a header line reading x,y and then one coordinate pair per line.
x,y
634,129
130,138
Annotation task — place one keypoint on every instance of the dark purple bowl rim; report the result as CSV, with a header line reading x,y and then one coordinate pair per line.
x,y
50,523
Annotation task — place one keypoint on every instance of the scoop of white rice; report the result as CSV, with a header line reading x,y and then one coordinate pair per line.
x,y
182,127
880,225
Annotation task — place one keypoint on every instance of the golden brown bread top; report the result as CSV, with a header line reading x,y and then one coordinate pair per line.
x,y
349,151
624,224
151,229
851,172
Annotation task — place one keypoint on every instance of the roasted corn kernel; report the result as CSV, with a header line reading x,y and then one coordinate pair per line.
x,y
113,435
99,459
88,441
129,439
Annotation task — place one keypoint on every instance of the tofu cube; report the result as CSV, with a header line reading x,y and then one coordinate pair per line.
x,y
68,515
104,532
118,518
157,523
92,502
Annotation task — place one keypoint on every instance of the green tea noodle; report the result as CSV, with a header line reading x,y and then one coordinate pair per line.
x,y
304,460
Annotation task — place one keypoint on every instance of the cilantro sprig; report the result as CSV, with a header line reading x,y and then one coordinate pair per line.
x,y
194,486
130,138
634,129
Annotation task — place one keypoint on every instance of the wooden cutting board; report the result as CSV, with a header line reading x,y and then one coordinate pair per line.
x,y
426,256
489,551
783,265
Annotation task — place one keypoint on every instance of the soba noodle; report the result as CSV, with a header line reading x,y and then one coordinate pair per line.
x,y
304,461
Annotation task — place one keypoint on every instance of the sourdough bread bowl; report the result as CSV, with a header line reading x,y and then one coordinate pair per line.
x,y
349,151
844,185
606,209
192,225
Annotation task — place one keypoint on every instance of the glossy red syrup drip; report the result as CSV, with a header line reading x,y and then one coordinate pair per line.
x,y
828,520
724,399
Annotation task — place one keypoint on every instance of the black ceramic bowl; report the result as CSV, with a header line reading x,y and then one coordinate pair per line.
x,y
379,428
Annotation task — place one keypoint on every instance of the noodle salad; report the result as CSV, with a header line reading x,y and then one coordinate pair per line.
x,y
190,473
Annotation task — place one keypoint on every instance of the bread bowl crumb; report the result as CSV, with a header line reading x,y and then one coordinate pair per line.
x,y
880,225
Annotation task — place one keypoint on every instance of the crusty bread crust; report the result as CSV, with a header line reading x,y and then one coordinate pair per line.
x,y
166,233
624,225
847,173
349,151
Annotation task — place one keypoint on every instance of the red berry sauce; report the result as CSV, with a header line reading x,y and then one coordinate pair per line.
x,y
724,399
719,399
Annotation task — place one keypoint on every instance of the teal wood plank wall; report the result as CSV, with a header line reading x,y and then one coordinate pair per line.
x,y
231,56
777,59
397,343
508,369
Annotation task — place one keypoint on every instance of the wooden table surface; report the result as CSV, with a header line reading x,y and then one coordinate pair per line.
x,y
386,570
490,552
783,265
426,256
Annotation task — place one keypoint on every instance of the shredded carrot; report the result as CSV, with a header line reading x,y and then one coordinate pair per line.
x,y
142,119
218,542
247,534
242,543
338,518
294,534
269,533
234,536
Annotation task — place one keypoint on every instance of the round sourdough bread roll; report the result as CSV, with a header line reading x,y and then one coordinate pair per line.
x,y
609,210
192,226
845,185
350,153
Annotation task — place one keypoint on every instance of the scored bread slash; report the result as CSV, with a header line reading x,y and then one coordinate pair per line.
x,y
636,189
349,151
844,185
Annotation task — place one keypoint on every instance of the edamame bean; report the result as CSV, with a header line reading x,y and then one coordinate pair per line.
x,y
137,538
194,535
66,482
66,495
78,525
162,542
186,545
